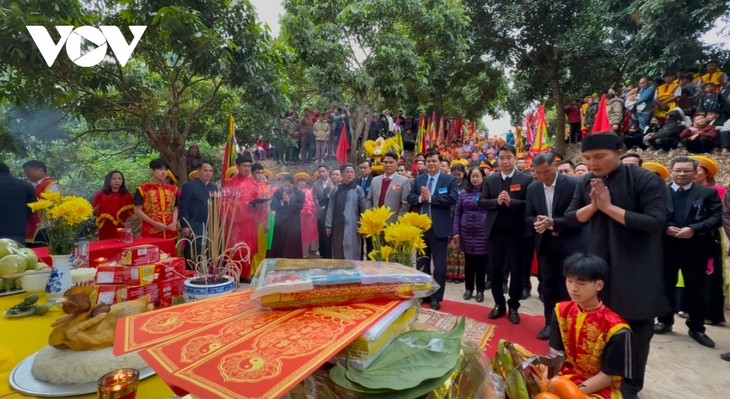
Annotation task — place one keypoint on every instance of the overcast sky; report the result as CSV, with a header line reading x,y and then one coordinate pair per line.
x,y
269,12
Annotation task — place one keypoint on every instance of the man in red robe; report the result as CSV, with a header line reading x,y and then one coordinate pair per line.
x,y
37,174
155,204
248,214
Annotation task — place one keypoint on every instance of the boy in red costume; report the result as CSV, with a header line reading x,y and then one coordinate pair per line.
x,y
595,340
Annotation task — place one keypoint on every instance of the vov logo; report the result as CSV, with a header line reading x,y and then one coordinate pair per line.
x,y
102,37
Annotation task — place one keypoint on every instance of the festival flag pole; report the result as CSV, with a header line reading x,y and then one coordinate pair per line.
x,y
229,156
540,143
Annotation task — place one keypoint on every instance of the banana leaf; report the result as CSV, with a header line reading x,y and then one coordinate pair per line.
x,y
337,375
424,388
413,358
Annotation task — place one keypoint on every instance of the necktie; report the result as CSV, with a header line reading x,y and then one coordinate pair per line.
x,y
431,185
679,190
383,191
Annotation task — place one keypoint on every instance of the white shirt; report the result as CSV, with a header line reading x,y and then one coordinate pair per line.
x,y
676,186
509,175
549,195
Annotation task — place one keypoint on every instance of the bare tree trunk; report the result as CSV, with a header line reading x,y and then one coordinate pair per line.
x,y
171,146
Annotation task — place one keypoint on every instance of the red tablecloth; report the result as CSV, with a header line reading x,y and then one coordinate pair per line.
x,y
111,249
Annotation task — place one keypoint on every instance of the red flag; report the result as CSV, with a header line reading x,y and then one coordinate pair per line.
x,y
342,146
601,124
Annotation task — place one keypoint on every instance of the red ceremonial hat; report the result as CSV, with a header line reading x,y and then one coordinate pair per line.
x,y
601,125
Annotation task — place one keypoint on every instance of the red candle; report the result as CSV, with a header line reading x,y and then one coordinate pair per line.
x,y
118,384
99,261
120,234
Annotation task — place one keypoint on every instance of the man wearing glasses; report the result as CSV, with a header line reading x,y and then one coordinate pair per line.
x,y
695,211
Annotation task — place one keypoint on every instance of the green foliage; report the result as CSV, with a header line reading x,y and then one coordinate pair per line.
x,y
660,35
411,54
196,64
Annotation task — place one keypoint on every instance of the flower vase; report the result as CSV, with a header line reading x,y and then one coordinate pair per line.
x,y
60,279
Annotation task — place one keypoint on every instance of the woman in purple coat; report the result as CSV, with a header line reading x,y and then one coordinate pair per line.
x,y
469,234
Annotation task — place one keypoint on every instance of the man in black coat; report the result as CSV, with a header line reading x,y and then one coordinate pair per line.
x,y
555,239
434,193
695,211
627,210
503,194
14,210
194,208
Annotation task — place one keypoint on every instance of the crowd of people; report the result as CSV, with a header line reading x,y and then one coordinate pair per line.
x,y
687,108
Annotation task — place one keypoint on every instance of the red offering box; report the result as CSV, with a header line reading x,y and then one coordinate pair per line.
x,y
110,294
169,268
138,255
138,291
170,291
139,275
106,274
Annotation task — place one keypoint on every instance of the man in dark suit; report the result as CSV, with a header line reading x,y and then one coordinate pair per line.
x,y
503,194
194,207
366,176
321,190
434,193
14,210
555,240
694,212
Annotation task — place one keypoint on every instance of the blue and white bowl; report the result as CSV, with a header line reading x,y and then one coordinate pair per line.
x,y
194,292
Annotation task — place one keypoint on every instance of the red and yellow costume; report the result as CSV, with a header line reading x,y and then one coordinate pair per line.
x,y
33,225
664,93
262,228
585,334
158,204
246,220
714,77
111,211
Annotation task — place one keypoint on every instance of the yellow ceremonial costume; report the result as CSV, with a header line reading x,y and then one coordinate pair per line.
x,y
664,93
714,77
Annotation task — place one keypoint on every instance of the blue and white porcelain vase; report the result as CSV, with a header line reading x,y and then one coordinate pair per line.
x,y
60,279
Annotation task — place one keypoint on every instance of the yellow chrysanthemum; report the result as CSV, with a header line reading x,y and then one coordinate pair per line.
x,y
73,210
382,255
372,221
40,205
399,233
420,220
385,252
420,245
53,196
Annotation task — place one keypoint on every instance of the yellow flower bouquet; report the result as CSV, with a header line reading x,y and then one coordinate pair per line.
x,y
397,241
62,217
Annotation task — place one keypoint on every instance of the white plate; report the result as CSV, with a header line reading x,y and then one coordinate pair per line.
x,y
22,380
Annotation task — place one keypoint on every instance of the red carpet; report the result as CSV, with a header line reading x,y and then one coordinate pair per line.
x,y
523,333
